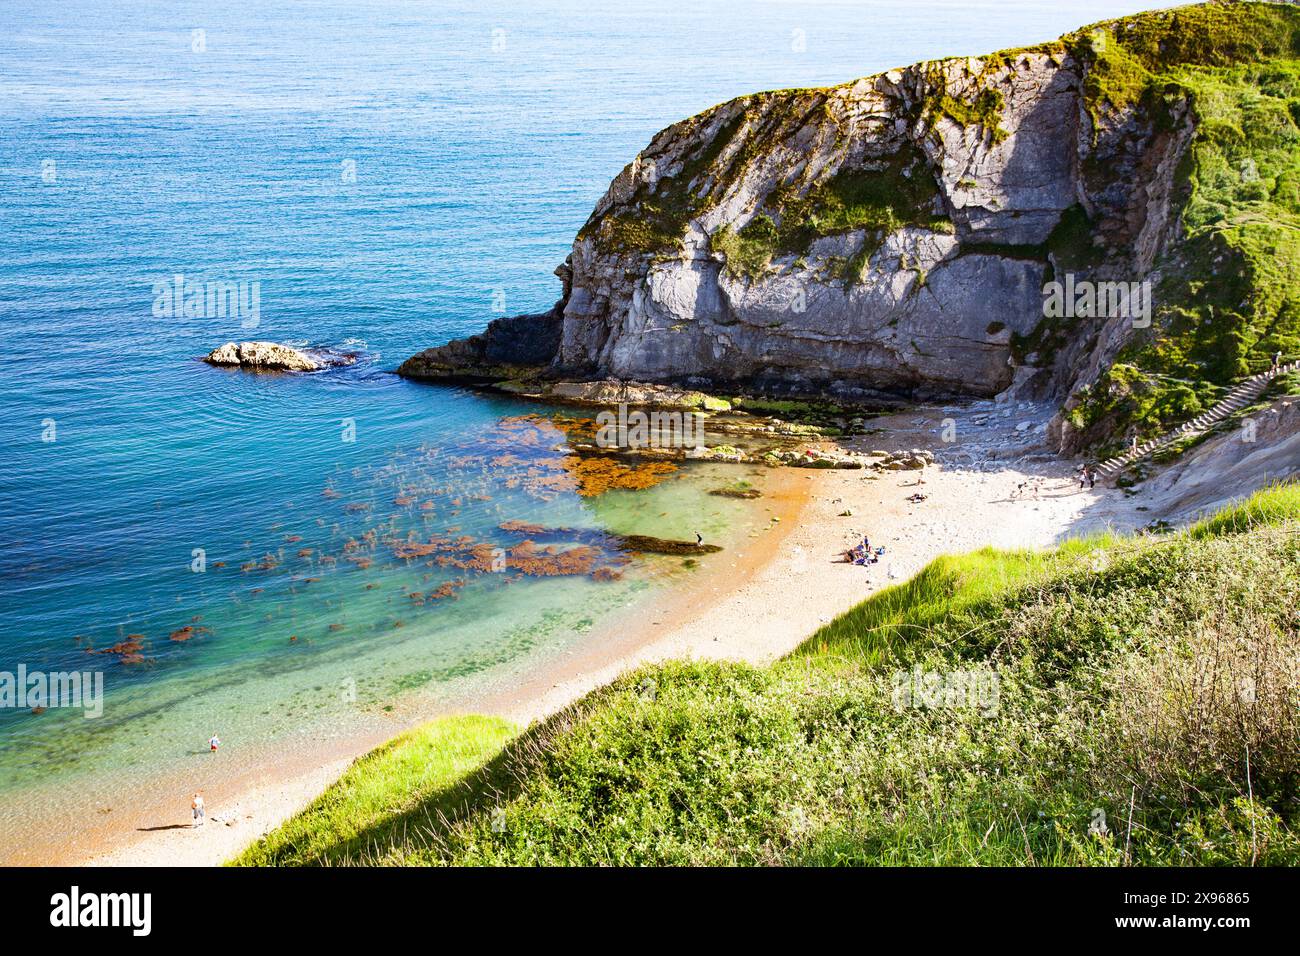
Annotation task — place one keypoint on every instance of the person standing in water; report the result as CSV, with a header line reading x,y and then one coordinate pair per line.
x,y
699,538
196,808
213,743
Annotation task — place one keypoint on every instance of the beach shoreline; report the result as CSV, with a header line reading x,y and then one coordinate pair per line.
x,y
257,790
1000,489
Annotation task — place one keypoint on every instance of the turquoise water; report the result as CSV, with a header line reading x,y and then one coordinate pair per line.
x,y
390,175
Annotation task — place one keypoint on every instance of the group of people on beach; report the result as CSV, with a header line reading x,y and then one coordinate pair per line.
x,y
863,554
1087,478
1030,486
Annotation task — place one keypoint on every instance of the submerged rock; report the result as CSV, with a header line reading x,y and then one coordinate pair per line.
x,y
644,543
746,493
597,475
269,356
652,545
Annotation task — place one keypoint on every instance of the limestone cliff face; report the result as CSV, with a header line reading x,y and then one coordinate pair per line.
x,y
891,235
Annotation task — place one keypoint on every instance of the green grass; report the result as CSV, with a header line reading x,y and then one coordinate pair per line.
x,y
384,793
749,251
878,198
1269,506
984,111
952,590
1112,672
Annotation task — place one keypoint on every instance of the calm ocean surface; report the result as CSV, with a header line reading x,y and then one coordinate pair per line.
x,y
388,173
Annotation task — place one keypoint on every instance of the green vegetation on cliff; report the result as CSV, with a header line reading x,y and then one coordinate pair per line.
x,y
984,110
878,197
1126,700
1230,296
661,213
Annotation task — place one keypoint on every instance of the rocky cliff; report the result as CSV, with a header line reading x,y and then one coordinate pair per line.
x,y
895,235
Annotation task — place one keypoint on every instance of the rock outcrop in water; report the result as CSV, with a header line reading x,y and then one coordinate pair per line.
x,y
264,356
896,234
507,348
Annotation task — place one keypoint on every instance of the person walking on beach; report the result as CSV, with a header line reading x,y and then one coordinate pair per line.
x,y
213,743
1083,477
196,808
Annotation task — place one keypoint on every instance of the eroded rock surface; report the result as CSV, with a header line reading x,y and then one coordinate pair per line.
x,y
265,356
891,235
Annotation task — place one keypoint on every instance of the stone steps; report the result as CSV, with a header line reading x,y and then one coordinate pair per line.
x,y
1238,398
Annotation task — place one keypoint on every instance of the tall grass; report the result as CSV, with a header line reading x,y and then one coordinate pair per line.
x,y
1269,505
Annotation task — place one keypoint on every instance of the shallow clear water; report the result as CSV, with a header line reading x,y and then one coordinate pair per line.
x,y
390,174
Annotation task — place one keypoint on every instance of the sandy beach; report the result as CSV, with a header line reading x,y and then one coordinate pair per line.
x,y
992,485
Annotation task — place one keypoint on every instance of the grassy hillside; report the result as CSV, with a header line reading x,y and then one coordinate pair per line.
x,y
370,804
1116,700
1230,294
